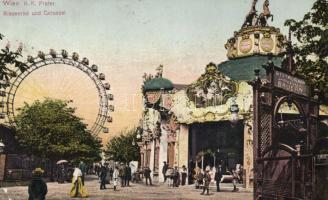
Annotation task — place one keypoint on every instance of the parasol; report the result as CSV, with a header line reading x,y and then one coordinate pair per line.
x,y
61,162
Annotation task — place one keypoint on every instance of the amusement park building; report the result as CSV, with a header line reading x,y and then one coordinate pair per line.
x,y
192,124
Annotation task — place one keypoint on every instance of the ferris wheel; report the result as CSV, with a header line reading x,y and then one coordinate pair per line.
x,y
103,107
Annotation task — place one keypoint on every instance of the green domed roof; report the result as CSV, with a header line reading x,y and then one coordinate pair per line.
x,y
158,84
243,68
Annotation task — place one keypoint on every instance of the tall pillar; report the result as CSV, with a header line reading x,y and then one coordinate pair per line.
x,y
183,146
2,166
176,149
193,145
152,156
162,152
248,153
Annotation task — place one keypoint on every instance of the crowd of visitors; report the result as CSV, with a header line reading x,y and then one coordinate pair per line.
x,y
122,173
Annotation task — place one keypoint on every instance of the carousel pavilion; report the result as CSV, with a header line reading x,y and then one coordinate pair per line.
x,y
209,121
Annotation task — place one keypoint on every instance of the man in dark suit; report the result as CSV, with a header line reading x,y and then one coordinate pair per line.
x,y
218,176
164,169
147,173
103,174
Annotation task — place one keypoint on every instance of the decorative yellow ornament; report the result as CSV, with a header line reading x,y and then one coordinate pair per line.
x,y
267,44
209,116
245,45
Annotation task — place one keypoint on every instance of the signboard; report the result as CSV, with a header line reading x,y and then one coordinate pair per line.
x,y
291,83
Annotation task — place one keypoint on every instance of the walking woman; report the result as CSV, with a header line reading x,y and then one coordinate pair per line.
x,y
78,188
37,189
115,177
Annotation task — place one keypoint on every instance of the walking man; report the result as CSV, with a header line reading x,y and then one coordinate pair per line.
x,y
183,175
147,172
176,177
83,169
127,175
121,174
111,171
103,174
198,177
218,176
164,169
207,180
234,180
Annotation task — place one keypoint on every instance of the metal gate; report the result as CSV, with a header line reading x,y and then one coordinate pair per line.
x,y
285,175
321,169
285,114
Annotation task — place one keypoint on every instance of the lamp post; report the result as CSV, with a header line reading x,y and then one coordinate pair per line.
x,y
138,134
2,147
217,151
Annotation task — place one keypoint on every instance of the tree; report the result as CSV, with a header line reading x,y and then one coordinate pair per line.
x,y
121,148
311,49
50,130
9,58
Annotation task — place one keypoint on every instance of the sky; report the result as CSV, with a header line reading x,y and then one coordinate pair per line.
x,y
126,38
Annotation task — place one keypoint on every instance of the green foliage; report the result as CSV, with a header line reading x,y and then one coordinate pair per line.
x,y
311,51
9,58
120,148
51,131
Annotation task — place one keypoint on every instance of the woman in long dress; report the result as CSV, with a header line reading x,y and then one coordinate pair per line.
x,y
78,188
37,188
115,177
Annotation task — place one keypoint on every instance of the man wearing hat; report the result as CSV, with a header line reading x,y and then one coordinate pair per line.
x,y
207,180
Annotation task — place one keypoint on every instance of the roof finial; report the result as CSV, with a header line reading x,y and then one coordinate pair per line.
x,y
251,17
159,71
265,15
289,64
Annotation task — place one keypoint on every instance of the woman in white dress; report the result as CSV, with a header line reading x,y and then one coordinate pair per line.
x,y
115,177
78,188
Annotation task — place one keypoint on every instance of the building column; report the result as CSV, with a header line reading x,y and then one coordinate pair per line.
x,y
162,153
142,156
193,146
248,153
2,166
152,156
183,147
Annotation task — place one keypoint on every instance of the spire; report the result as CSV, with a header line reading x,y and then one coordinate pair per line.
x,y
289,64
251,17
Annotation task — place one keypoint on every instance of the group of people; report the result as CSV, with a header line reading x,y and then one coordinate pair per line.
x,y
38,188
65,171
203,179
173,176
106,173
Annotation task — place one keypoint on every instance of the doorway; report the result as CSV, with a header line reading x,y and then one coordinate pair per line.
x,y
216,143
